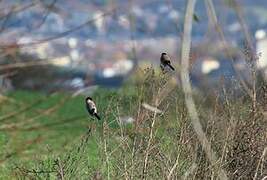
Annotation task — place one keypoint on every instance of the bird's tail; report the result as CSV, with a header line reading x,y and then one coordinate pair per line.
x,y
96,115
171,67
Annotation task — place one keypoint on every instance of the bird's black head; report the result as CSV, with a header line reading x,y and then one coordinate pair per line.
x,y
88,98
163,54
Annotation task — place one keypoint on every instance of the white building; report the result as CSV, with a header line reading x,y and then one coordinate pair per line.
x,y
261,49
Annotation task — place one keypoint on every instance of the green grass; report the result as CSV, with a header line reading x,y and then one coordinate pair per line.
x,y
51,129
36,135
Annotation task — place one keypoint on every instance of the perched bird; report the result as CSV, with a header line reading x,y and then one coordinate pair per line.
x,y
165,61
195,17
91,107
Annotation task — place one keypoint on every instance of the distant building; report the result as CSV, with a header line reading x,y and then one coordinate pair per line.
x,y
261,49
112,73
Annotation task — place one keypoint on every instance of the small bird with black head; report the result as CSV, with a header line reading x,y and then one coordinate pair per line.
x,y
165,61
91,107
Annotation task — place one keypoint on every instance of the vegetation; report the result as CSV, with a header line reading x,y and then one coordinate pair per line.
x,y
52,136
176,133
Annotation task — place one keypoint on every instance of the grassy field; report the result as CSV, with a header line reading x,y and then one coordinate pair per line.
x,y
36,129
52,136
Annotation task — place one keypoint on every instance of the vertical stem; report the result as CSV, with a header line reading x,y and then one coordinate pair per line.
x,y
186,42
251,59
213,18
148,146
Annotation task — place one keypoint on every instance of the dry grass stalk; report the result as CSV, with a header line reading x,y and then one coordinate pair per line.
x,y
213,17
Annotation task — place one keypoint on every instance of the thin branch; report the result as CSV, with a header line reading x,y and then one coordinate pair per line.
x,y
190,171
18,112
260,161
7,17
33,171
251,57
173,168
23,147
133,41
212,15
18,9
40,62
145,166
60,35
48,11
60,169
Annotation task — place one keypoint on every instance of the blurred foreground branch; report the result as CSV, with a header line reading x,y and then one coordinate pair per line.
x,y
188,90
25,64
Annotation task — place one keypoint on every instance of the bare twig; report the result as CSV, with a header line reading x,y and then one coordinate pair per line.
x,y
23,147
251,57
190,171
26,108
260,161
7,17
173,168
24,64
19,9
33,171
48,11
148,146
60,169
212,15
60,35
67,32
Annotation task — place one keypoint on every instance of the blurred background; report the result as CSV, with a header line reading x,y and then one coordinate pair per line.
x,y
55,52
76,44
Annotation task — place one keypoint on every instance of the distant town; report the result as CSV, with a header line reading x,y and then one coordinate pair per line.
x,y
103,37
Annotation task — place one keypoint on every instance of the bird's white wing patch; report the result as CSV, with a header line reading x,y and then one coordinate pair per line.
x,y
92,105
